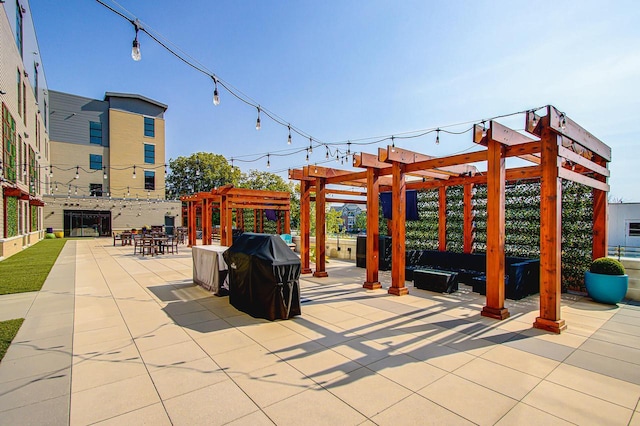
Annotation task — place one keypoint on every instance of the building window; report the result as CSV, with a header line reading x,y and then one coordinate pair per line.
x,y
95,162
9,142
19,83
19,27
149,127
95,132
149,153
149,180
634,229
95,189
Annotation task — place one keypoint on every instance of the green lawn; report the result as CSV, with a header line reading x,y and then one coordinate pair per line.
x,y
8,330
27,270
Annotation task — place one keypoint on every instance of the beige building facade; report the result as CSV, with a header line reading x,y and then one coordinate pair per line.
x,y
108,163
24,136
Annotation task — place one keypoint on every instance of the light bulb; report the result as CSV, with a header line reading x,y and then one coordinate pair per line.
x,y
484,130
135,49
535,119
77,172
50,171
326,156
563,122
316,169
134,172
76,191
393,144
258,120
437,136
307,159
165,170
289,138
216,98
104,172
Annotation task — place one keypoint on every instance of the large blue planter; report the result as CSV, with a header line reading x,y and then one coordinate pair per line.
x,y
609,289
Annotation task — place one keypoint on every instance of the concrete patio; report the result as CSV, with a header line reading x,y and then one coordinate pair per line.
x,y
116,338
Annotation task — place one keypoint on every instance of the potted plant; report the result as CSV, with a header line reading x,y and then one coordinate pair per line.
x,y
606,281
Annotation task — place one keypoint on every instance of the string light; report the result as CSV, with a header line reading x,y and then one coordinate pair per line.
x,y
135,49
393,144
216,97
197,167
78,172
437,136
315,170
76,191
307,159
165,170
268,162
563,122
484,130
326,156
104,172
535,118
310,145
258,120
51,170
289,138
128,193
134,172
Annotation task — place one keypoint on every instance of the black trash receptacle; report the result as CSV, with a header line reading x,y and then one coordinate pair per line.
x,y
263,276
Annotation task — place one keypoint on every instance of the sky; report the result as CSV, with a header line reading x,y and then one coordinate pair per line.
x,y
352,70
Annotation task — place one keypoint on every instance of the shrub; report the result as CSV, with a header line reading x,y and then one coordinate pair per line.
x,y
607,266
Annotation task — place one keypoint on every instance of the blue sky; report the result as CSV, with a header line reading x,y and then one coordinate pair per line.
x,y
345,70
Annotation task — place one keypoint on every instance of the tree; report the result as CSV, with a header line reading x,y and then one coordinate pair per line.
x,y
201,171
361,221
334,220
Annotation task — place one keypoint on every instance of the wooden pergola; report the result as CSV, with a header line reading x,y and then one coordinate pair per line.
x,y
555,147
228,199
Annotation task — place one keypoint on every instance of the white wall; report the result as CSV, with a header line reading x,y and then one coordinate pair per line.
x,y
620,214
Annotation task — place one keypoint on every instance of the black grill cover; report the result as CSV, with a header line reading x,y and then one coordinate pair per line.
x,y
263,276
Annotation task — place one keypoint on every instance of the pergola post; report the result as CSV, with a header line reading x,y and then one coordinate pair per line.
x,y
550,235
320,229
496,182
442,218
225,222
600,218
206,222
305,217
287,222
399,216
191,222
373,231
255,220
468,219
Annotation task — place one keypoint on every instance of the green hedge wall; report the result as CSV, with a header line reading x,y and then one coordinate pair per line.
x,y
12,216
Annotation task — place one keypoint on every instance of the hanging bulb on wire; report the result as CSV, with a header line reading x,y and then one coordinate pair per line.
x,y
289,138
133,176
128,193
563,122
310,145
437,136
316,168
484,130
197,167
268,161
51,171
337,157
104,172
216,98
326,156
76,191
393,144
77,172
258,120
348,148
165,170
307,159
135,49
535,118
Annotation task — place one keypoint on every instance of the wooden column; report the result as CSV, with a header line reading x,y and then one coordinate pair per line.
x,y
550,236
255,220
225,223
399,216
278,222
206,222
305,205
496,177
191,222
287,221
600,218
373,229
468,219
442,218
320,229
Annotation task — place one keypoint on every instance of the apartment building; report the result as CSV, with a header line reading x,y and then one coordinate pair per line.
x,y
24,141
108,165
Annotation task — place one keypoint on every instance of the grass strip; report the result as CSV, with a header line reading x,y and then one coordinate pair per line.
x,y
8,330
27,270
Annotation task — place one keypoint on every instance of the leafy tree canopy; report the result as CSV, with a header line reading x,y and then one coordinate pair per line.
x,y
199,172
257,179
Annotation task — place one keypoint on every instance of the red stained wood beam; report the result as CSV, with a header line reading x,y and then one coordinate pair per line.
x,y
577,133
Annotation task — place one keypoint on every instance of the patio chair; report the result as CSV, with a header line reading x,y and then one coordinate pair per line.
x,y
148,246
171,245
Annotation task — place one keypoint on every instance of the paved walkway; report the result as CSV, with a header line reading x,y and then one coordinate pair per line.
x,y
114,338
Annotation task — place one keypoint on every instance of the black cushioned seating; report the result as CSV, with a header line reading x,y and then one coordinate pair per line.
x,y
434,280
